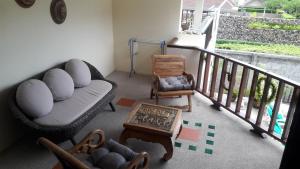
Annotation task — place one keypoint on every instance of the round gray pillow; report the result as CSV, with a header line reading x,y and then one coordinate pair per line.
x,y
34,98
79,71
60,84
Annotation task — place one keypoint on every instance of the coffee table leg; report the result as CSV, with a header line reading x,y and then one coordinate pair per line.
x,y
167,143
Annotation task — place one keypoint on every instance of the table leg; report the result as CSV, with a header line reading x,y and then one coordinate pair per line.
x,y
167,143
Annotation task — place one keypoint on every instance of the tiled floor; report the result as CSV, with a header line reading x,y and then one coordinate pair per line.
x,y
223,141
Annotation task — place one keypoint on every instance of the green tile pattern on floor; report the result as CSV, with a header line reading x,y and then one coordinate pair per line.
x,y
208,151
177,144
210,134
198,124
185,122
192,147
210,142
211,126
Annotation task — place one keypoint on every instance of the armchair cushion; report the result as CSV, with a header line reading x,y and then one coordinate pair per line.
x,y
113,156
173,83
126,152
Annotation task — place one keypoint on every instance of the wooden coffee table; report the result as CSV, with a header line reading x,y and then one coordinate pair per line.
x,y
153,123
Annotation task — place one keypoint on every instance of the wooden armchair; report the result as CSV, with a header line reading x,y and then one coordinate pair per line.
x,y
168,69
78,156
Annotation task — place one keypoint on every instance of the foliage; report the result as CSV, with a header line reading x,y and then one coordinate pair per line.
x,y
263,25
289,6
259,47
258,10
235,93
259,91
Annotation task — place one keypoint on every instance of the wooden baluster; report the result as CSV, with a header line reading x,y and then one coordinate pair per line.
x,y
231,85
243,87
263,101
214,77
200,68
252,94
290,114
223,76
206,73
276,107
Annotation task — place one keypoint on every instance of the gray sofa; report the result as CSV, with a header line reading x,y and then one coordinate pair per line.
x,y
68,116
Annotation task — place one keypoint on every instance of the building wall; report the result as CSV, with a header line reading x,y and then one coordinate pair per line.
x,y
31,42
148,20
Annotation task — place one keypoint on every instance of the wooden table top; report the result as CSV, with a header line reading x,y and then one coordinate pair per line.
x,y
152,118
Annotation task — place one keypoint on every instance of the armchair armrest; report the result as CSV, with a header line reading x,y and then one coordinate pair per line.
x,y
142,157
63,156
89,143
190,79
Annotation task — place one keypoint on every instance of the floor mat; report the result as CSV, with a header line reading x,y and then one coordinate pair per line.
x,y
126,102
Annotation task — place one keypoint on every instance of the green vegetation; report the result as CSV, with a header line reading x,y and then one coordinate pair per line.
x,y
291,7
259,47
258,10
262,25
259,91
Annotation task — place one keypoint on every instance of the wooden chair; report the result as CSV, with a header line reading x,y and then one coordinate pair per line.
x,y
168,66
94,140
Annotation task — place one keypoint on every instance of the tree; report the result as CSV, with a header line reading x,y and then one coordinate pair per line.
x,y
289,6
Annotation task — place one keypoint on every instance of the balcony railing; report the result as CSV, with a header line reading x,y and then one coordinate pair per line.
x,y
217,78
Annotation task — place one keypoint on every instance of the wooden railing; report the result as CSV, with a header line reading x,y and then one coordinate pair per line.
x,y
215,70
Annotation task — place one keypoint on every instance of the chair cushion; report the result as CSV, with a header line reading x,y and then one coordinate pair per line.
x,y
174,83
67,111
111,161
112,155
60,84
34,98
79,71
126,152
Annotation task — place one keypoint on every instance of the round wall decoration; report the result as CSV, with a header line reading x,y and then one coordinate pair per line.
x,y
25,3
58,11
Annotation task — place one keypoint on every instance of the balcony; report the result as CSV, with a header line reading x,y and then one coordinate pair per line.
x,y
233,145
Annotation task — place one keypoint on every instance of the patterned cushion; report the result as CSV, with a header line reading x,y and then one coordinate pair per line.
x,y
175,83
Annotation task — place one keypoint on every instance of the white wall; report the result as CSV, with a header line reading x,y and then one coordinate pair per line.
x,y
148,20
31,42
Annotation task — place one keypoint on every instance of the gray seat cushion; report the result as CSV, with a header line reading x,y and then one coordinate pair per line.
x,y
34,98
113,156
60,84
126,152
174,83
79,71
111,161
65,112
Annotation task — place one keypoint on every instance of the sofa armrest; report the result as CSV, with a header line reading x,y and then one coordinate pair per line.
x,y
95,74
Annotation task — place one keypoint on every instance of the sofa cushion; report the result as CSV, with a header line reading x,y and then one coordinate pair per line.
x,y
34,98
175,83
79,71
60,84
67,111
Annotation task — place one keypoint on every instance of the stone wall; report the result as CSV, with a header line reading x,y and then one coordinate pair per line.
x,y
236,28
